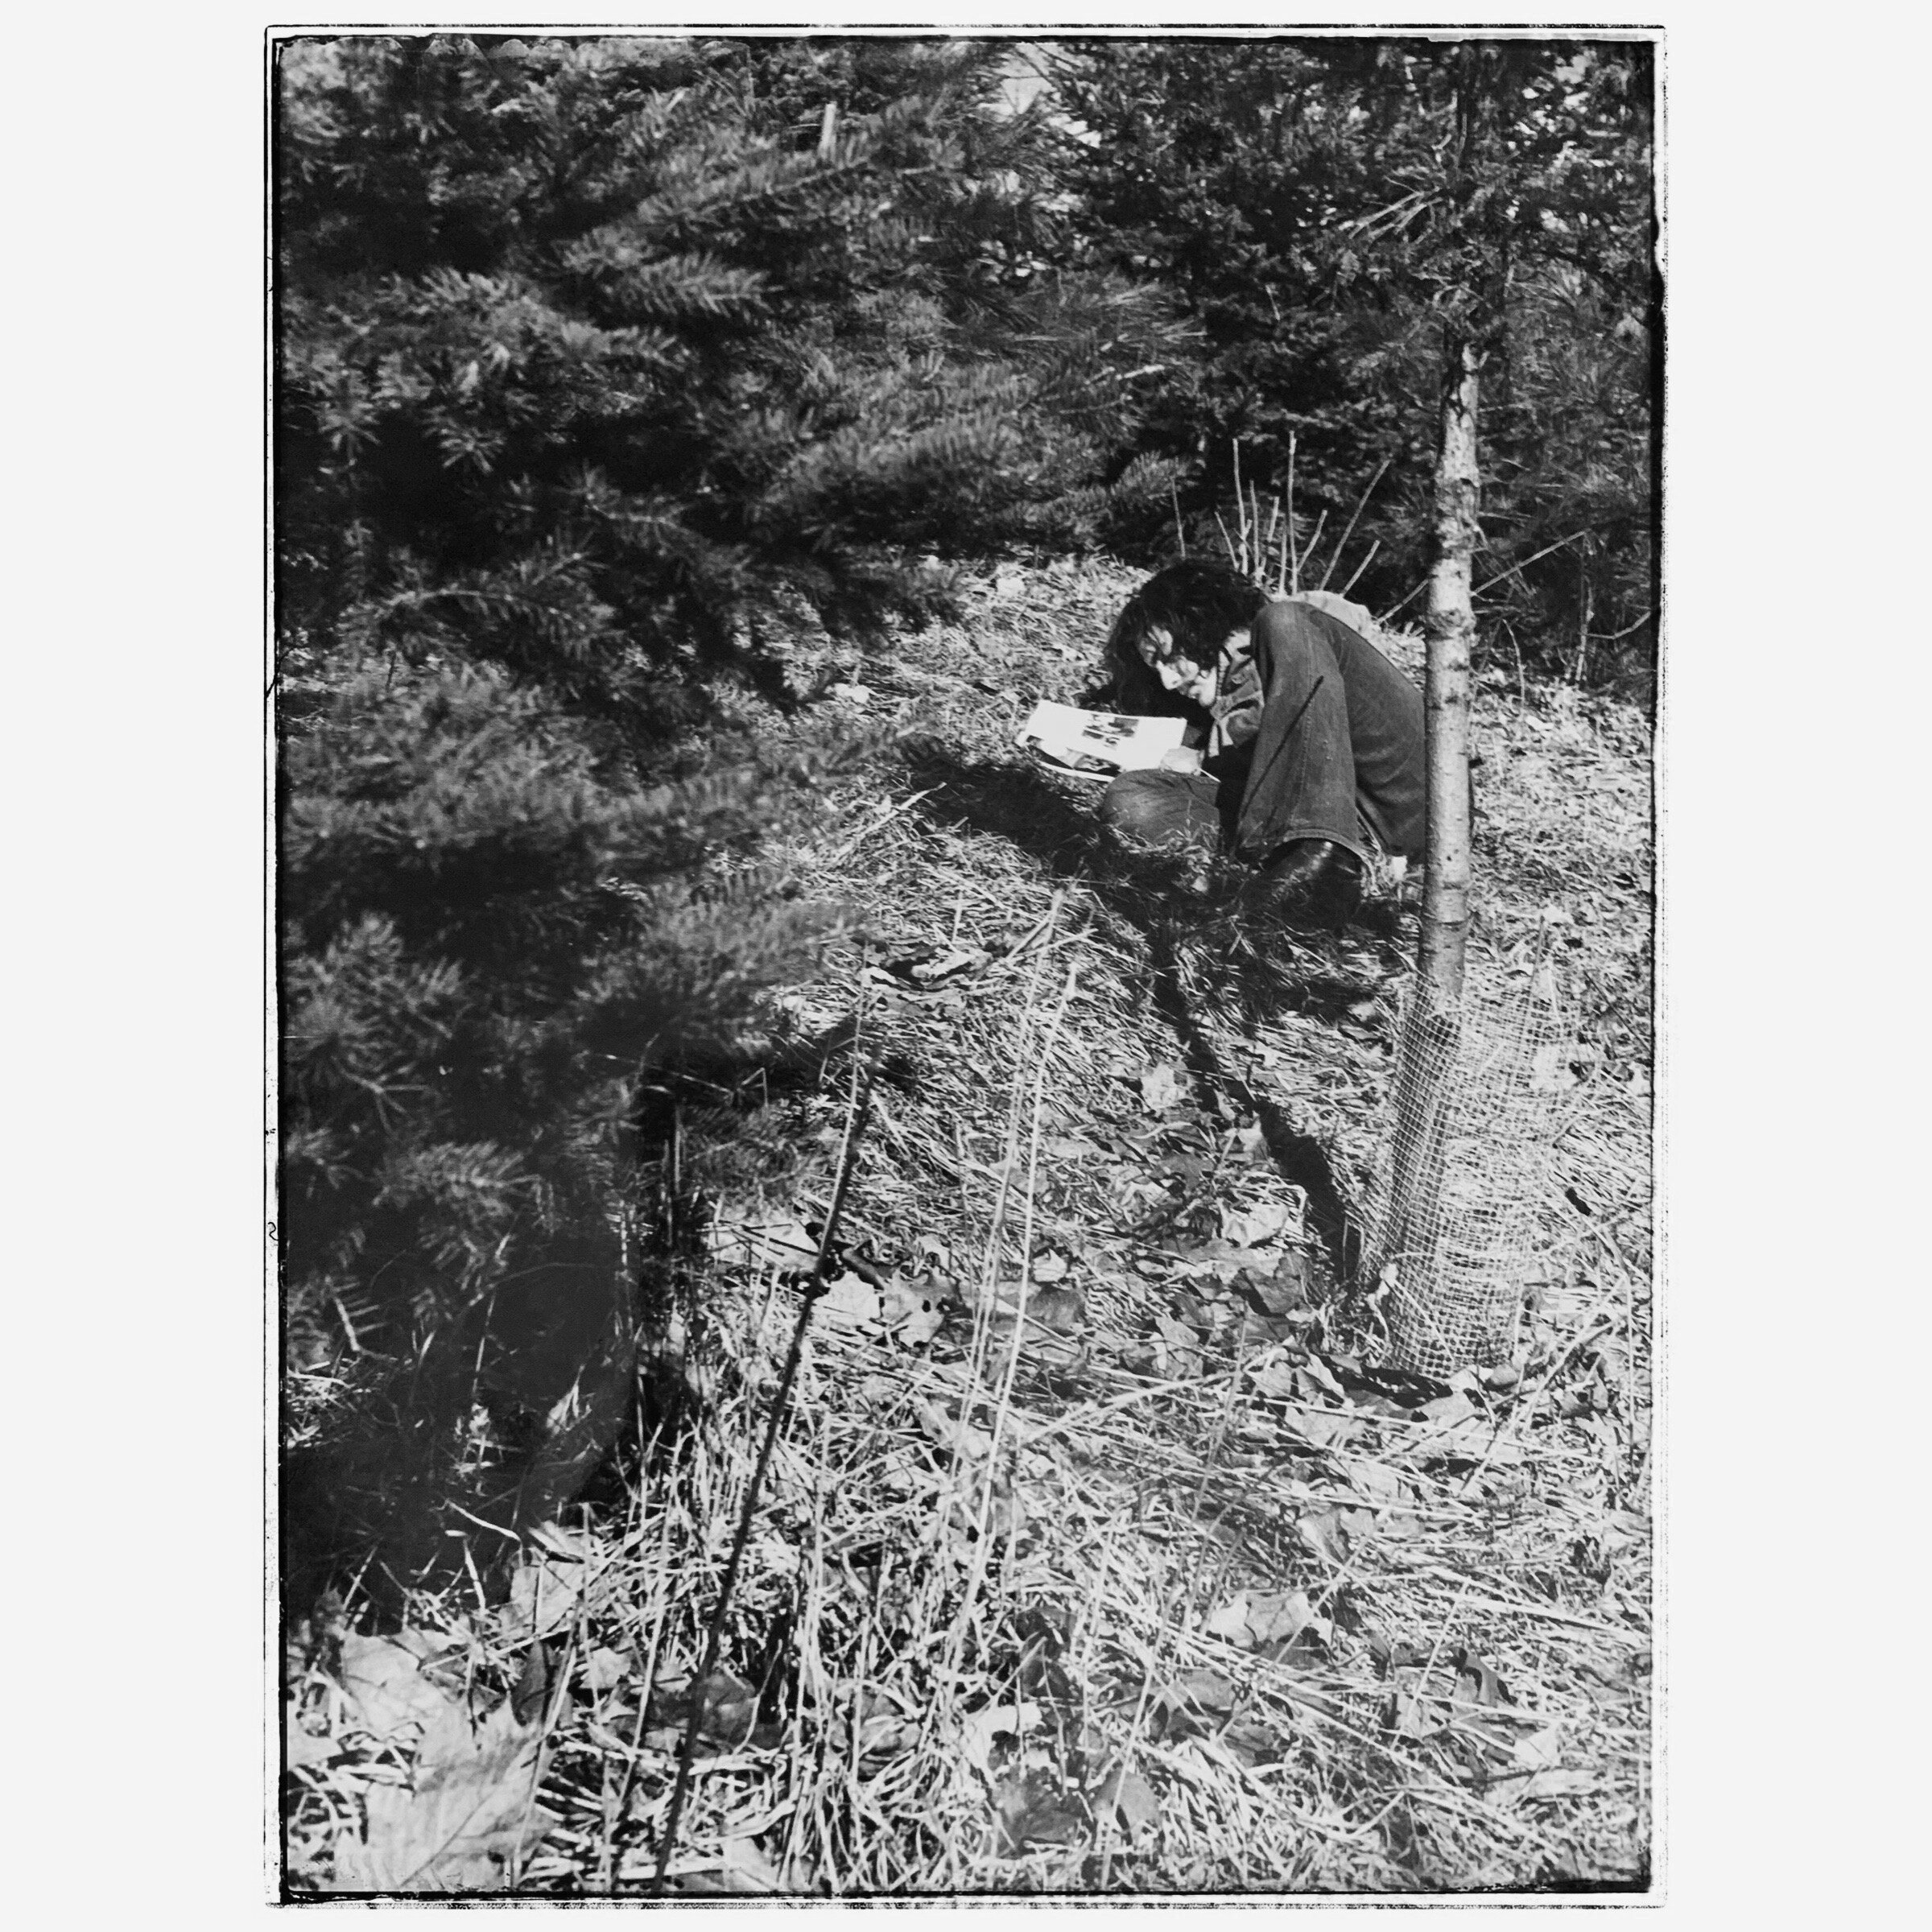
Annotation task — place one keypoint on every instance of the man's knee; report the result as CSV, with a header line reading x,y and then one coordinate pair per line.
x,y
1136,800
1161,808
1293,632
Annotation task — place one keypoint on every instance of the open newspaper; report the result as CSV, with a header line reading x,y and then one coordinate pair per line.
x,y
1098,743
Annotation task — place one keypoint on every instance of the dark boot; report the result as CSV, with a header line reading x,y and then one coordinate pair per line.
x,y
1312,881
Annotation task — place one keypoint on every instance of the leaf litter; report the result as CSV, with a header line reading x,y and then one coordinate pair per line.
x,y
1095,1556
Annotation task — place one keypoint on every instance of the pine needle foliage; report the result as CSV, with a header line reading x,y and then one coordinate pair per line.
x,y
602,364
1292,197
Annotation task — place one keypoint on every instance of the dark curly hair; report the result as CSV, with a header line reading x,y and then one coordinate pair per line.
x,y
1194,606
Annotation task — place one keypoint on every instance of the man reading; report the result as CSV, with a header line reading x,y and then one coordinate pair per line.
x,y
1303,749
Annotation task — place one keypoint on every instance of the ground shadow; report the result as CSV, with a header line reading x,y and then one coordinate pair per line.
x,y
1179,905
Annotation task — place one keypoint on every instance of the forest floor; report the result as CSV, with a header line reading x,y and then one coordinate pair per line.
x,y
1159,1586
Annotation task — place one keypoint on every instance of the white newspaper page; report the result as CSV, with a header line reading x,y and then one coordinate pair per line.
x,y
1098,743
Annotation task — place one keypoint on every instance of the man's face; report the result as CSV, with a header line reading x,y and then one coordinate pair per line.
x,y
1194,682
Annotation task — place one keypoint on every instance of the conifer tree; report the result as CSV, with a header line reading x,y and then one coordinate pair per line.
x,y
601,361
1294,195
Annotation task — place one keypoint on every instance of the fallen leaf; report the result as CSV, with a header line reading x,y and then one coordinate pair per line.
x,y
1287,1288
387,1689
1470,1442
966,959
1069,1147
1254,1226
1325,1533
728,1708
1060,1309
1411,1715
1310,1699
1038,1345
1161,1087
1249,1742
1318,1372
1206,1689
303,1748
753,1239
467,1813
1319,1428
544,1594
1559,1782
961,1439
1130,1799
1376,1484
1281,1616
911,1311
1033,1809
532,1686
1225,1263
1005,1514
982,1729
1275,1379
746,1863
885,1735
1179,1351
1252,1619
1477,1684
1263,1331
605,1668
849,1302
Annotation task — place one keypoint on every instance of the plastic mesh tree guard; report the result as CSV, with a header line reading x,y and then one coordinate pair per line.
x,y
1469,1130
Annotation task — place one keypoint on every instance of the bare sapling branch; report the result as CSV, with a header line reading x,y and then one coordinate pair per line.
x,y
1314,543
1241,508
1294,565
1342,542
1361,566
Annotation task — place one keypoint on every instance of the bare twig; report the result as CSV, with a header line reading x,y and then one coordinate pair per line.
x,y
1342,542
1516,570
1314,543
1491,583
1610,636
1295,562
855,1122
1365,564
884,814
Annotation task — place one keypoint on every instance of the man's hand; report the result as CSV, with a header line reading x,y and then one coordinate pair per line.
x,y
1183,757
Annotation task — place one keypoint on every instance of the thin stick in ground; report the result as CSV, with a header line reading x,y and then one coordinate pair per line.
x,y
861,1096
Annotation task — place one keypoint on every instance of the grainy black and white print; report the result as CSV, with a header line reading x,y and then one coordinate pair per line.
x,y
964,899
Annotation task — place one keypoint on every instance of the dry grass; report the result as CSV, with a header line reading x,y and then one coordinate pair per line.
x,y
1057,1519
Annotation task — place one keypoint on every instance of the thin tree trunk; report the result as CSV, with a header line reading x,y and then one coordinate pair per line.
x,y
1426,1062
1452,629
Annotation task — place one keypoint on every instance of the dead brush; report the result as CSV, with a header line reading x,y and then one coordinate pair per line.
x,y
1173,1596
